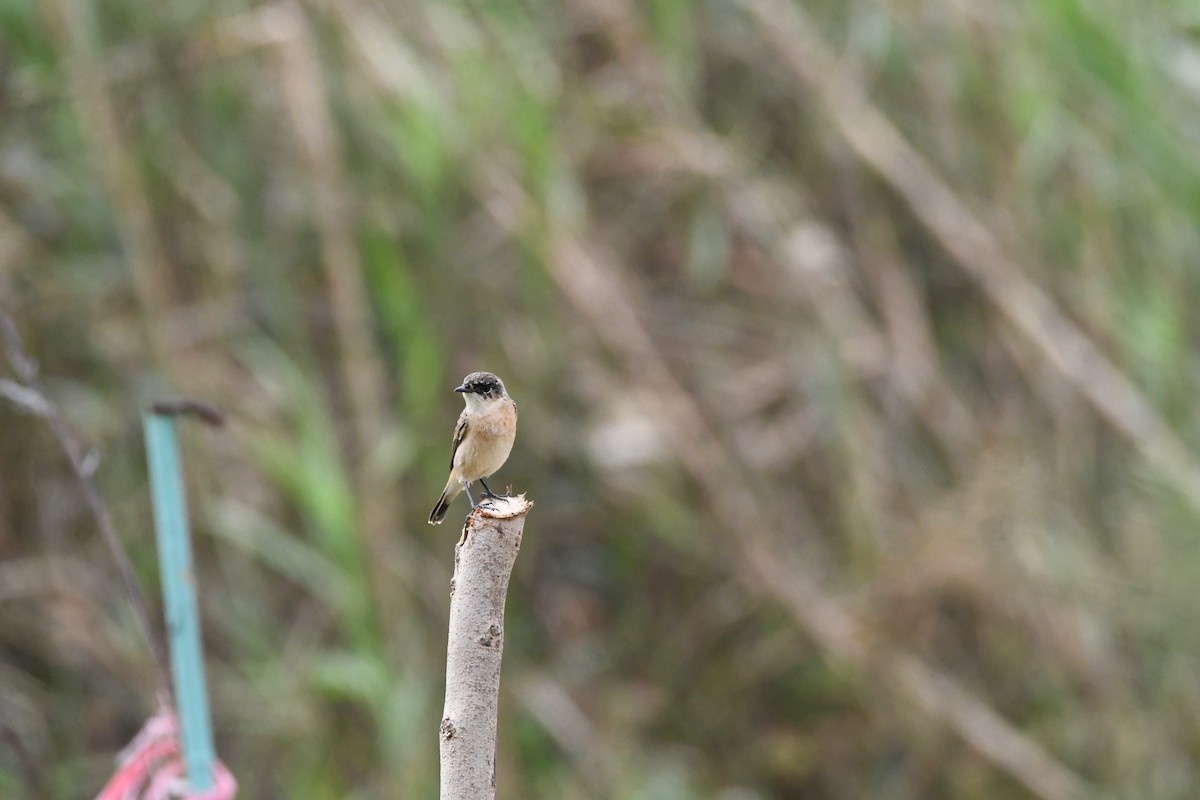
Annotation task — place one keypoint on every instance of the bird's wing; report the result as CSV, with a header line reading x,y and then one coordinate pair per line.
x,y
460,433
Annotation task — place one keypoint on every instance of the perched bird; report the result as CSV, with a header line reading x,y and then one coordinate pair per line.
x,y
483,439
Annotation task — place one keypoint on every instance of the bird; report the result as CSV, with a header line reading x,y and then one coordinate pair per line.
x,y
483,438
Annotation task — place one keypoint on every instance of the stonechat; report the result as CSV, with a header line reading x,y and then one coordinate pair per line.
x,y
483,439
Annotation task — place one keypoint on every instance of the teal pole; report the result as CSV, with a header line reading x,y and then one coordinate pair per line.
x,y
179,599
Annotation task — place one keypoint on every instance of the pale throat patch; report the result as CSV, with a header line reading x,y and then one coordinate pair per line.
x,y
479,405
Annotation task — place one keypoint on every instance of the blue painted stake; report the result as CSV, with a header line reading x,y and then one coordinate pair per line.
x,y
179,598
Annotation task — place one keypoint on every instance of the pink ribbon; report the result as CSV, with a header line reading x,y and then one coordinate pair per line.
x,y
151,768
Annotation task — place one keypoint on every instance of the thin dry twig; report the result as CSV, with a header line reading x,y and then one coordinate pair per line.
x,y
33,396
24,398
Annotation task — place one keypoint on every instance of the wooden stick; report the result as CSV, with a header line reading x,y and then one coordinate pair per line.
x,y
483,562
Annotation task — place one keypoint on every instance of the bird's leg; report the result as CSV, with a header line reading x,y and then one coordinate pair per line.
x,y
487,492
467,489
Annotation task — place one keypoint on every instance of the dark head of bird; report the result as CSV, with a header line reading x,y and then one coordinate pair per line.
x,y
484,384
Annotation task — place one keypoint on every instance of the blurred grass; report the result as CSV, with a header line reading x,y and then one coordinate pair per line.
x,y
1017,543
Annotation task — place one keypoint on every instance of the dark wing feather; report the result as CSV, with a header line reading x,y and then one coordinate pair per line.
x,y
460,433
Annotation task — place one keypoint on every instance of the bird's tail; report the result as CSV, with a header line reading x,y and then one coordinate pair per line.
x,y
443,504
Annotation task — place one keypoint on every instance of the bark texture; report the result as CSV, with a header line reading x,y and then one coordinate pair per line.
x,y
483,562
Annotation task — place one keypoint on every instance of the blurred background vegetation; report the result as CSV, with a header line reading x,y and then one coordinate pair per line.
x,y
855,347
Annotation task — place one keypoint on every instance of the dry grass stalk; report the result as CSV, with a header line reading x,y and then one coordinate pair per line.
x,y
878,142
595,287
364,383
115,161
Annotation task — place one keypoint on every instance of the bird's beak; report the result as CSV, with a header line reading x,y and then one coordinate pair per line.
x,y
462,389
